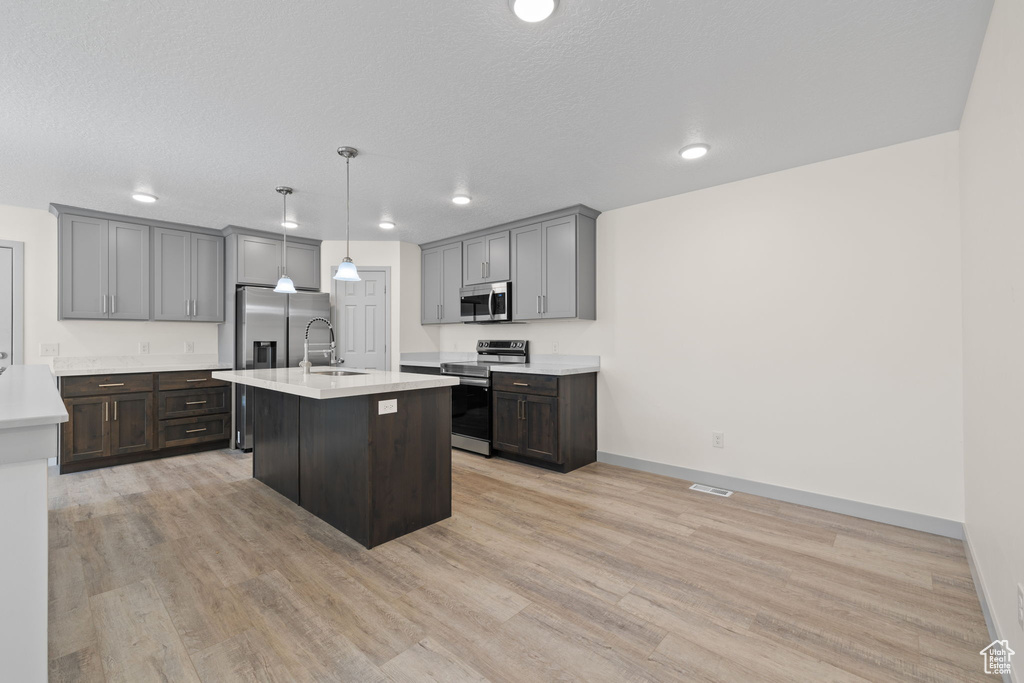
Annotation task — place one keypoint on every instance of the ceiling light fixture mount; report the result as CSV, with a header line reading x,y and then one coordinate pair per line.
x,y
461,199
144,197
285,284
695,151
347,269
533,11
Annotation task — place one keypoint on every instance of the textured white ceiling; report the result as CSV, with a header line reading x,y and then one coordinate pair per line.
x,y
210,105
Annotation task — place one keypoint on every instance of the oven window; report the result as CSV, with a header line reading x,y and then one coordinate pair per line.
x,y
471,411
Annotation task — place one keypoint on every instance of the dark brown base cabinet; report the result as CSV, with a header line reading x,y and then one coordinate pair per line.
x,y
545,419
118,419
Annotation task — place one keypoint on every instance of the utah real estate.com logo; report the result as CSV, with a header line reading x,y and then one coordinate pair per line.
x,y
997,657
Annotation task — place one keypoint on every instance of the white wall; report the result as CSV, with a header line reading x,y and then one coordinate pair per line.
x,y
38,230
813,315
992,204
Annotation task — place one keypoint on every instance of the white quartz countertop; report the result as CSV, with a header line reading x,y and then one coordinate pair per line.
x,y
122,370
29,398
322,386
541,365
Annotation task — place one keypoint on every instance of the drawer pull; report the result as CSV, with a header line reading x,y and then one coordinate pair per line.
x,y
194,403
103,386
201,379
520,384
193,431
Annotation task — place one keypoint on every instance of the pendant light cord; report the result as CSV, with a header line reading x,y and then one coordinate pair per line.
x,y
284,251
348,203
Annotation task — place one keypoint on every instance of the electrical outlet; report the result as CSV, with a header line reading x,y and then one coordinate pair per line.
x,y
718,439
143,347
1020,605
387,407
190,347
49,349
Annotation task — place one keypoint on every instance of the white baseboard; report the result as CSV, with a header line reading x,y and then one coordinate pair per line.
x,y
986,603
876,513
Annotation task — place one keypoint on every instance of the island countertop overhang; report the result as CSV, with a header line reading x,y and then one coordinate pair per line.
x,y
319,385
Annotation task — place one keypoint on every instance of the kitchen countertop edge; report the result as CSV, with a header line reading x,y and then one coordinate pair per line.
x,y
293,381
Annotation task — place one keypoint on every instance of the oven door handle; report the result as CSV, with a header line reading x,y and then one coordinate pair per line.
x,y
474,382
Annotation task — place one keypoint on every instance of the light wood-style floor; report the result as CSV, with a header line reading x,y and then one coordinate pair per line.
x,y
187,569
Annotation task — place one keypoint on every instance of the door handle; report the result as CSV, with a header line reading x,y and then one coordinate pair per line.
x,y
193,431
538,304
119,384
106,411
482,270
487,269
490,304
193,308
115,411
194,403
187,305
520,384
113,305
441,316
543,303
201,379
104,304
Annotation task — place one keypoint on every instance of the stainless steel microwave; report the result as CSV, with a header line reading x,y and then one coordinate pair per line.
x,y
486,303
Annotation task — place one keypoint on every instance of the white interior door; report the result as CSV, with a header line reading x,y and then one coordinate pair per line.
x,y
362,316
6,306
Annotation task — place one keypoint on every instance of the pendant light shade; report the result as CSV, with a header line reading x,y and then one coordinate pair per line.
x,y
347,269
285,284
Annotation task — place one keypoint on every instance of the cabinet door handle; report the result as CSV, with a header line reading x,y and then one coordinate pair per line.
x,y
487,269
441,317
104,304
194,403
119,384
520,384
195,312
519,409
187,305
482,269
538,304
115,411
200,379
193,431
106,412
113,304
543,303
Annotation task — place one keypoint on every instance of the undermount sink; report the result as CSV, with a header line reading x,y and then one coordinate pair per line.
x,y
336,373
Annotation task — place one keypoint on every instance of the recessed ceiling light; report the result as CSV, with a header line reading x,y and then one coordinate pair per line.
x,y
691,152
387,225
461,199
143,197
291,225
533,11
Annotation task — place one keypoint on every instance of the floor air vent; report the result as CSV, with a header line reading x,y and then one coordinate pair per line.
x,y
712,490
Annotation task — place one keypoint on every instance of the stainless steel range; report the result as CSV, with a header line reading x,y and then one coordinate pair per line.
x,y
471,400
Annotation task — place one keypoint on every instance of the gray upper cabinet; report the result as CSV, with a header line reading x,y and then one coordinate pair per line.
x,y
172,274
259,262
304,266
188,276
486,259
103,269
441,277
554,269
207,277
128,278
527,272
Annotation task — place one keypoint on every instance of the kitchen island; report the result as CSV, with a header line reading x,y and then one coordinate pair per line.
x,y
367,451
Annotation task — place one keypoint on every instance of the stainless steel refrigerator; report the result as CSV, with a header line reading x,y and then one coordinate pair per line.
x,y
270,331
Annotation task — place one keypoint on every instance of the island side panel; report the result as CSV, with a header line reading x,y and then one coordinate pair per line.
x,y
410,463
334,463
275,452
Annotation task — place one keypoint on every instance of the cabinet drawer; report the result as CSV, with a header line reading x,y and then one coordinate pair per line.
x,y
542,385
104,385
191,402
192,430
191,379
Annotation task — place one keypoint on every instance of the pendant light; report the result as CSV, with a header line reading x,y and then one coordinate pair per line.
x,y
347,270
285,284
